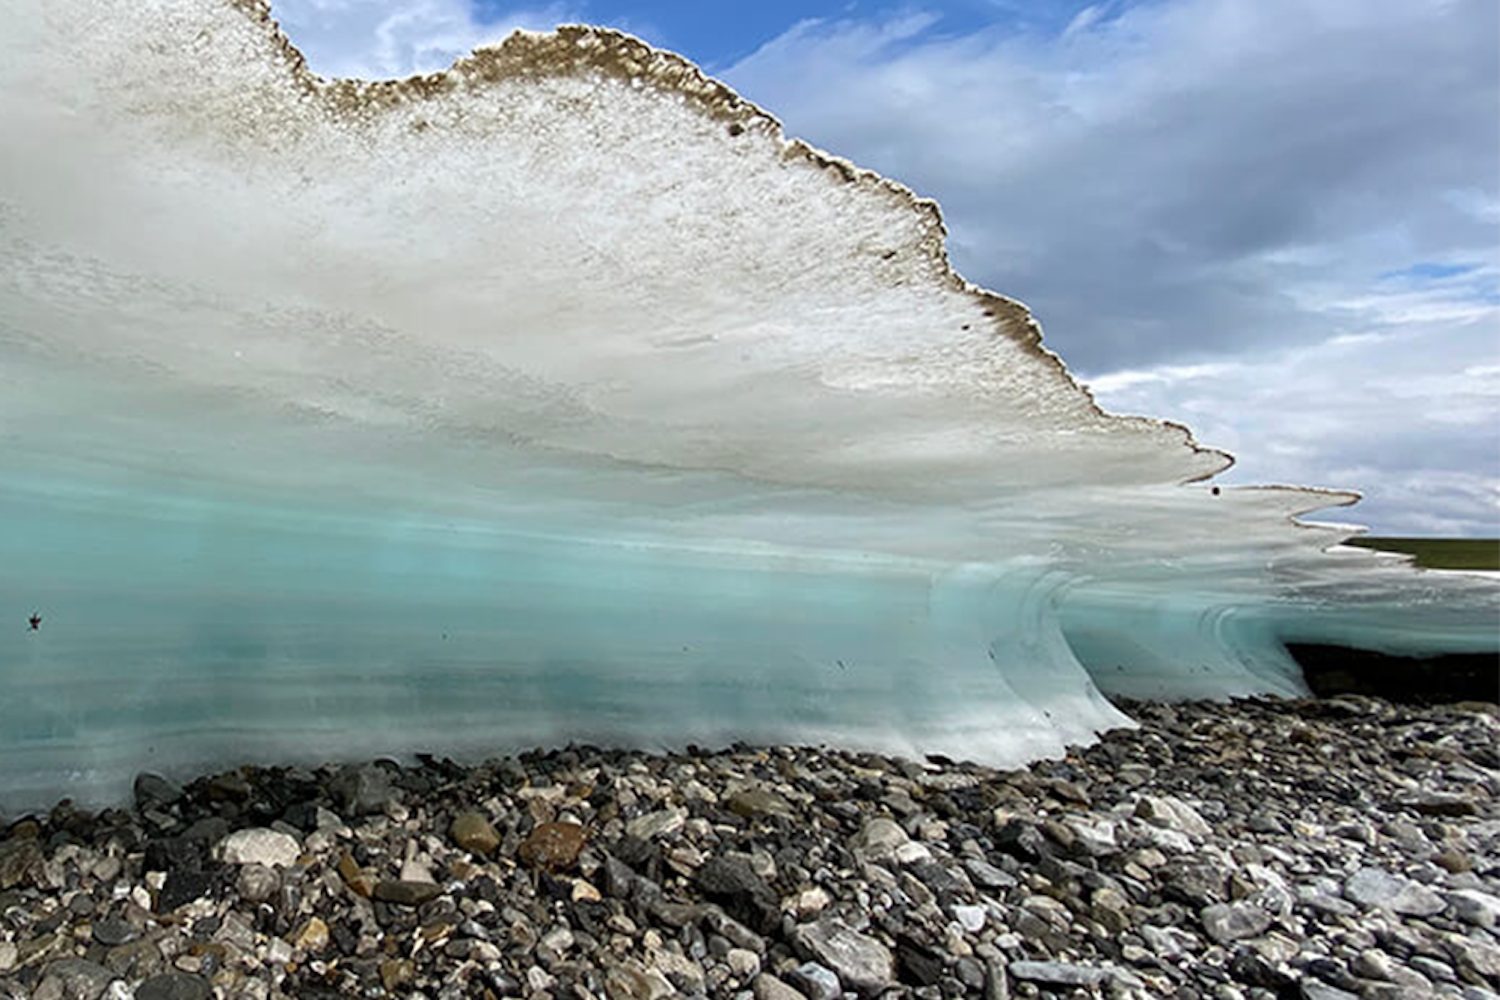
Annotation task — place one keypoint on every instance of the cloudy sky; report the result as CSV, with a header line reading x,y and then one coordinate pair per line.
x,y
1277,221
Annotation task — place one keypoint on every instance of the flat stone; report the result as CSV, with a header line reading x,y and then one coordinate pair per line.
x,y
112,931
405,893
753,802
474,833
656,824
553,846
1226,922
862,963
1439,804
259,846
1059,973
1374,887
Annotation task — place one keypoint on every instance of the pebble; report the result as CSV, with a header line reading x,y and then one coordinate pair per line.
x,y
1213,852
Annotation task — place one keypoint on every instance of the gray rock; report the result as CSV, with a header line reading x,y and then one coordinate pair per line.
x,y
1475,907
1374,887
1059,973
815,982
656,824
1312,989
862,963
362,790
257,883
73,979
152,790
1226,922
174,986
112,931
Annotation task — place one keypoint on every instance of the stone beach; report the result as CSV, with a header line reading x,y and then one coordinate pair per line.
x,y
1258,849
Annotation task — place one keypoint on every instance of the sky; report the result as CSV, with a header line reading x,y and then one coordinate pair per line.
x,y
1276,221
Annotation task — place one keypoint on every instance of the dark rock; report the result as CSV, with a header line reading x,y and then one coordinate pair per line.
x,y
1021,840
182,886
152,790
732,883
112,931
404,893
174,986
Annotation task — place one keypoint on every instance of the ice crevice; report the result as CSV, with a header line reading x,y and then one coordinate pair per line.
x,y
559,397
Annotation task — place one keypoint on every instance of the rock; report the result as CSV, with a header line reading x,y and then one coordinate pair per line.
x,y
753,802
1374,887
815,982
356,878
406,893
9,956
1058,973
971,918
861,963
878,839
553,846
768,987
112,931
257,883
74,979
1226,922
21,863
1021,840
656,824
255,846
312,936
473,832
1475,907
743,962
732,883
152,790
396,973
1311,989
174,986
183,886
363,790
1174,814
1439,804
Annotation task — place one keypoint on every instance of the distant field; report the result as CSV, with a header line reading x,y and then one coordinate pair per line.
x,y
1441,553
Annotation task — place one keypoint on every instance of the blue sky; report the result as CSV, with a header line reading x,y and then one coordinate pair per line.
x,y
1277,222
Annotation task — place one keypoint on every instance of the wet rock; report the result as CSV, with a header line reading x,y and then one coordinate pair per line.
x,y
174,986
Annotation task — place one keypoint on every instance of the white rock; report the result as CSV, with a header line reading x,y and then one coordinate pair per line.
x,y
743,962
9,953
258,846
877,839
971,917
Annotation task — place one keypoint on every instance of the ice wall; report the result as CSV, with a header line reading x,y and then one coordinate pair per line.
x,y
559,396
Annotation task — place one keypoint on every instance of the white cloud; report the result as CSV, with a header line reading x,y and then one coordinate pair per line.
x,y
1200,198
383,39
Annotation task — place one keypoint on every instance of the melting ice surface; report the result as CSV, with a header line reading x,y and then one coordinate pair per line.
x,y
559,397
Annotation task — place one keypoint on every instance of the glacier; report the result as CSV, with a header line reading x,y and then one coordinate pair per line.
x,y
560,397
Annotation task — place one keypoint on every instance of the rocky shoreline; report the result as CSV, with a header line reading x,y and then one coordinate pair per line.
x,y
1320,849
